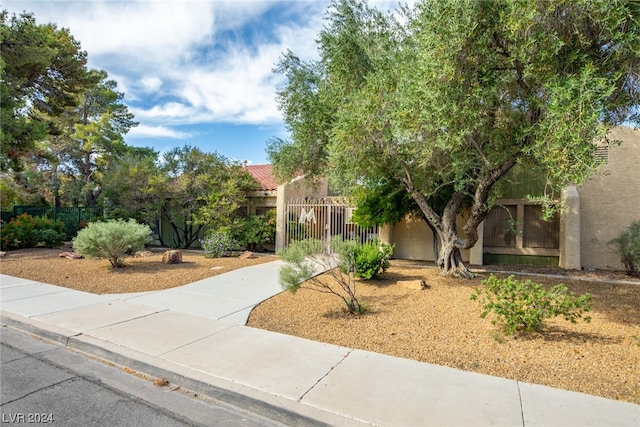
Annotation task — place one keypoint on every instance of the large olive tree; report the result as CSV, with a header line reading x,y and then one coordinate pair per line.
x,y
447,97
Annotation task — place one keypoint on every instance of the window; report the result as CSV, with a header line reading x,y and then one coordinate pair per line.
x,y
500,226
537,233
516,227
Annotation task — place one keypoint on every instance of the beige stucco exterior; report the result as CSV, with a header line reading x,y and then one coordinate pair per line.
x,y
596,212
412,239
610,201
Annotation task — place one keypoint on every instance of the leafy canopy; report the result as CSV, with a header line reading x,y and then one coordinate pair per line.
x,y
446,98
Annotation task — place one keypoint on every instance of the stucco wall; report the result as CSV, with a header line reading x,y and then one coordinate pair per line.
x,y
610,201
414,240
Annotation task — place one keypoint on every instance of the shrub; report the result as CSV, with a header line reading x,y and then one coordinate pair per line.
x,y
49,237
371,259
307,258
257,230
627,245
523,306
218,244
26,231
113,240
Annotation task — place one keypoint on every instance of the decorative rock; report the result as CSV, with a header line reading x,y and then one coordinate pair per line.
x,y
172,257
70,255
246,255
2,253
414,284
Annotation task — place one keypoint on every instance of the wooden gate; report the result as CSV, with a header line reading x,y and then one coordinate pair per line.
x,y
324,219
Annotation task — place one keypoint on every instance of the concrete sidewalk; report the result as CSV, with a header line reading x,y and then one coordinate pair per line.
x,y
195,337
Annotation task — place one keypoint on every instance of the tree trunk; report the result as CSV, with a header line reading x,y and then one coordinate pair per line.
x,y
450,261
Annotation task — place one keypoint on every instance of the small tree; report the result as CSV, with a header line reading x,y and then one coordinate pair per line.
x,y
306,259
349,260
113,240
203,190
627,245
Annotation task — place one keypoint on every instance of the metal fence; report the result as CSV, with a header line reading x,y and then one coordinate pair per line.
x,y
72,217
324,219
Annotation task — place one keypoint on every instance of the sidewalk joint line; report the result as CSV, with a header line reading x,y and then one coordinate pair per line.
x,y
521,405
325,375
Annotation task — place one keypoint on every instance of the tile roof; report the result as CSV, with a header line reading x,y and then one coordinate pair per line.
x,y
264,175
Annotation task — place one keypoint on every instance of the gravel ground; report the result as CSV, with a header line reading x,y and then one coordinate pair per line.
x,y
441,325
438,325
96,276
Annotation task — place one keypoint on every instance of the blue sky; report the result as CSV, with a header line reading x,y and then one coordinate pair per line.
x,y
193,72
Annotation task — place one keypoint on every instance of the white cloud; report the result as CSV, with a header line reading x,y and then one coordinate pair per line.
x,y
189,62
145,131
151,83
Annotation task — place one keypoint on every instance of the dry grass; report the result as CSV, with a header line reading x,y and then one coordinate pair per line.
x,y
438,325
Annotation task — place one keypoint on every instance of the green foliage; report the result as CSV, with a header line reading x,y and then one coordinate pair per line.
x,y
91,136
43,71
132,187
257,230
49,237
218,244
365,260
306,259
113,240
26,231
202,189
446,97
523,306
627,245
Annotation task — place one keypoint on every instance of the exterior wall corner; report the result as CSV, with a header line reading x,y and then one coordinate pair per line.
x,y
570,230
475,253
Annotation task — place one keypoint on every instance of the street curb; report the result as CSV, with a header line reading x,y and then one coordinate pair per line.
x,y
275,408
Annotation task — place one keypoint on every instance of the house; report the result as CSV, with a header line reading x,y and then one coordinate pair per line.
x,y
264,198
577,237
574,238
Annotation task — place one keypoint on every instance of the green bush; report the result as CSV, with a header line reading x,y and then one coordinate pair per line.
x,y
365,260
49,237
113,240
218,244
523,306
26,231
257,230
627,245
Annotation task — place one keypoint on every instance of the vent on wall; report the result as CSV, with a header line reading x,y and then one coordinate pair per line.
x,y
602,154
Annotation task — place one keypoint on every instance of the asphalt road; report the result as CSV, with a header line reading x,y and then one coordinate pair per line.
x,y
42,383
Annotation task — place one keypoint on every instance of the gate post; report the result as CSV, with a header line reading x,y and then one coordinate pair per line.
x,y
280,217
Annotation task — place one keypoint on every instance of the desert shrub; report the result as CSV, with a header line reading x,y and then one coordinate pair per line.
x,y
366,261
627,246
522,306
257,230
26,231
113,240
218,244
49,237
305,259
